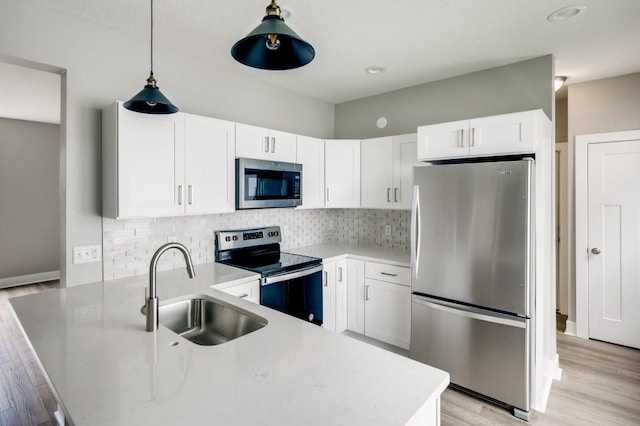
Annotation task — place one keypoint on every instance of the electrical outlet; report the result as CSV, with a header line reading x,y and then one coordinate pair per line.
x,y
387,230
86,254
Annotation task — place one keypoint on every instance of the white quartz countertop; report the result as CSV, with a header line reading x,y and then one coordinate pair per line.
x,y
329,252
107,370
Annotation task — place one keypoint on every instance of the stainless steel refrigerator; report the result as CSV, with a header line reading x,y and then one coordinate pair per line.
x,y
472,277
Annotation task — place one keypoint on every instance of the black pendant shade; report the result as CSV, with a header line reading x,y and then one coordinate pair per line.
x,y
272,45
150,100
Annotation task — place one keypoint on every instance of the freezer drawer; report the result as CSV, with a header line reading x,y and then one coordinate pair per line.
x,y
485,352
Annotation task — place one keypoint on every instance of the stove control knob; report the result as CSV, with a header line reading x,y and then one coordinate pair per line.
x,y
235,238
227,238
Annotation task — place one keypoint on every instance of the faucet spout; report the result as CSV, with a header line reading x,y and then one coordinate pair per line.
x,y
152,301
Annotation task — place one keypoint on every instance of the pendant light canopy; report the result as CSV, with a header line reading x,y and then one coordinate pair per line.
x,y
272,45
150,100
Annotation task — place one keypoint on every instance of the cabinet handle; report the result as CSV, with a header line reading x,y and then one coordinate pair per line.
x,y
339,274
366,292
461,139
473,137
325,280
273,145
190,194
395,194
388,195
266,144
388,274
327,194
243,295
179,195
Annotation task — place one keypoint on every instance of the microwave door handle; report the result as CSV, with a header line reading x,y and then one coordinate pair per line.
x,y
291,276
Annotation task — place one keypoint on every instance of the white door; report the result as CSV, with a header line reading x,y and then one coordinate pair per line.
x,y
444,140
502,134
209,165
614,242
388,312
377,173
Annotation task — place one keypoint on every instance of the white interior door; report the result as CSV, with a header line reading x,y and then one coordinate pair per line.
x,y
614,242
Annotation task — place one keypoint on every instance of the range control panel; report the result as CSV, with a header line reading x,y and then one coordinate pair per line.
x,y
226,240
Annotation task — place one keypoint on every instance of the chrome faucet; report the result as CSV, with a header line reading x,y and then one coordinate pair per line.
x,y
151,305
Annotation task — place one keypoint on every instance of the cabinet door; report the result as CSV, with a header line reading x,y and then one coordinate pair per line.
x,y
377,173
329,296
355,295
209,165
342,280
282,146
404,158
248,291
150,162
310,153
502,134
342,173
388,312
252,142
445,140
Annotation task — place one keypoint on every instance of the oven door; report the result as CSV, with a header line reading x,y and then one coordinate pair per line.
x,y
297,293
267,184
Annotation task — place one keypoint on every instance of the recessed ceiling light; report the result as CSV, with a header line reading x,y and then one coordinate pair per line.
x,y
375,70
565,13
559,81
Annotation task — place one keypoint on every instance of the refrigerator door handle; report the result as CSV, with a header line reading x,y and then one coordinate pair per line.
x,y
415,231
469,312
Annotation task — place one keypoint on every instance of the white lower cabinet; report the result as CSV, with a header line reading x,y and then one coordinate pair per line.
x,y
248,291
388,312
355,295
334,295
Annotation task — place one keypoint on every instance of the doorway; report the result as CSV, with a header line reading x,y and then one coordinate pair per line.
x,y
30,184
608,237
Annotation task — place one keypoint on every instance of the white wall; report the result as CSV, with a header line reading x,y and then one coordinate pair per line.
x,y
29,238
607,105
99,66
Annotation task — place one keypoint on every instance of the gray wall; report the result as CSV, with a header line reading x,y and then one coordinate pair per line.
x,y
521,86
98,66
29,163
607,105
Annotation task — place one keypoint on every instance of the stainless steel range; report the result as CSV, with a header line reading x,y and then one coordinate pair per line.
x,y
289,283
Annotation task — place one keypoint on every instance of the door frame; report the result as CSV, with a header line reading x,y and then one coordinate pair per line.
x,y
582,143
562,149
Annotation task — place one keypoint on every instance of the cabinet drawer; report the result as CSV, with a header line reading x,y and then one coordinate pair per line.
x,y
249,291
390,273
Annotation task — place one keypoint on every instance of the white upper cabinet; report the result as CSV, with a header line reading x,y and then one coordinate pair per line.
x,y
387,172
310,153
165,165
143,163
265,144
342,173
209,165
496,135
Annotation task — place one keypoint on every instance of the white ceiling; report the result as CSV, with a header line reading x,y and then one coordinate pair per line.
x,y
418,41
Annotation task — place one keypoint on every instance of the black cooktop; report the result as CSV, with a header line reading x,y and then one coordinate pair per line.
x,y
272,263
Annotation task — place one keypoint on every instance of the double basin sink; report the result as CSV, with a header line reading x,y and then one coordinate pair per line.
x,y
207,321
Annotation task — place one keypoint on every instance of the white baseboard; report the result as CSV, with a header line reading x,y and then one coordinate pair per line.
x,y
29,279
571,328
556,371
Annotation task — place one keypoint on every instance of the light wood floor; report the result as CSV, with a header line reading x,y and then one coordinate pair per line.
x,y
600,383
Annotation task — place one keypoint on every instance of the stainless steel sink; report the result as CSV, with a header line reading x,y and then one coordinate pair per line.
x,y
207,321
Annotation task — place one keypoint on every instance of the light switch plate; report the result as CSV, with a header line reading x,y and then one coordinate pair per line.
x,y
86,254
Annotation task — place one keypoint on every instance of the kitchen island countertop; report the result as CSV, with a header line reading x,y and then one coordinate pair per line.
x,y
105,369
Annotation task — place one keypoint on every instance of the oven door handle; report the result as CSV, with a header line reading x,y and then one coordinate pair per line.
x,y
291,276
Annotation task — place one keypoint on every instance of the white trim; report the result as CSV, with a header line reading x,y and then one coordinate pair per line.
x,y
581,221
29,279
571,328
562,273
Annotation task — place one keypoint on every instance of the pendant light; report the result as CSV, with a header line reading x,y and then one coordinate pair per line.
x,y
272,45
150,100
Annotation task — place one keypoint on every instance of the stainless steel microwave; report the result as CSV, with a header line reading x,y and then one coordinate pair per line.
x,y
262,184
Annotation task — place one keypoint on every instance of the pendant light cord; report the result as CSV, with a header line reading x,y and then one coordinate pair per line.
x,y
151,37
